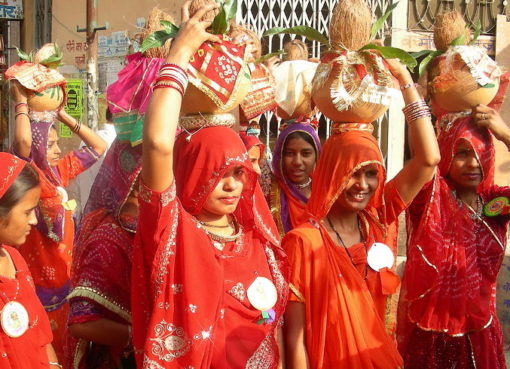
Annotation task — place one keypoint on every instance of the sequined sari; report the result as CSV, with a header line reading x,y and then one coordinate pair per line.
x,y
48,248
100,274
447,312
345,300
189,299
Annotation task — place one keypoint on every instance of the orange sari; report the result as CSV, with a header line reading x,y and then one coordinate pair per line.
x,y
344,308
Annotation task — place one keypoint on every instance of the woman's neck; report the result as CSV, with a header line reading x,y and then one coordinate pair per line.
x,y
467,195
213,219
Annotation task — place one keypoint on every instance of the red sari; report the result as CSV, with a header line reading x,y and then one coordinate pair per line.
x,y
29,350
48,248
344,308
447,312
189,301
101,269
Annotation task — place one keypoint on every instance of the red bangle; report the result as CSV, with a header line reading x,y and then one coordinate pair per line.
x,y
20,104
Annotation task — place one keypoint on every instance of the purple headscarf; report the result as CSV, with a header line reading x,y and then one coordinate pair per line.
x,y
278,167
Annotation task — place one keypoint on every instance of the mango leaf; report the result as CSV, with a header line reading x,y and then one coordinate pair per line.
x,y
230,7
55,58
263,58
23,55
476,32
219,25
156,39
169,26
388,52
308,32
489,85
379,23
461,40
427,60
419,54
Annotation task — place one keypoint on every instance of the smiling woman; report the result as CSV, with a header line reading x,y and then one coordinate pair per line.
x,y
345,250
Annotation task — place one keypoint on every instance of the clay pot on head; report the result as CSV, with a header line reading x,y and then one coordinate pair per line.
x,y
454,88
47,100
195,101
343,96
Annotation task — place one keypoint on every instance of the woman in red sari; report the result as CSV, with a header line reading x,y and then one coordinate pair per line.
x,y
48,248
341,259
100,317
25,333
208,279
295,154
457,239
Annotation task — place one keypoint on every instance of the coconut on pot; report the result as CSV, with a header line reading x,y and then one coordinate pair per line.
x,y
463,75
38,75
352,84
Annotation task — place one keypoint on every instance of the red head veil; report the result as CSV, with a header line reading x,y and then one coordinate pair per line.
x,y
10,167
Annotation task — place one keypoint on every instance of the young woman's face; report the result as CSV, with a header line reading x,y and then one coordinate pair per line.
x,y
465,170
53,150
298,160
227,193
360,189
254,154
15,228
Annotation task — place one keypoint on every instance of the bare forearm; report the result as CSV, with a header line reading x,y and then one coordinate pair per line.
x,y
103,331
88,136
22,131
52,357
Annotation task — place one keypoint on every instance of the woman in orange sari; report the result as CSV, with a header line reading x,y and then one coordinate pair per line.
x,y
48,248
294,157
341,273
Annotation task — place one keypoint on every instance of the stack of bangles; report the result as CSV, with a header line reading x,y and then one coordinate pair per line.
x,y
18,112
76,127
171,76
416,110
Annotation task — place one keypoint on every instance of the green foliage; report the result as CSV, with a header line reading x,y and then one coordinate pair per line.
x,y
158,38
308,32
476,32
263,58
55,58
431,54
388,52
458,41
221,22
379,23
23,55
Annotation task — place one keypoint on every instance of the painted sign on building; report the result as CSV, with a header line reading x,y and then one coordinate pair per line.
x,y
11,9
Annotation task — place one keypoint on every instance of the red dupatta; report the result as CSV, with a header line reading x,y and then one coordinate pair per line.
x,y
452,259
178,274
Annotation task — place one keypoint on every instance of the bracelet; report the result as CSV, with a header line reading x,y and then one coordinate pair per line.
x,y
175,73
171,84
165,79
51,363
77,127
408,85
416,110
21,113
20,104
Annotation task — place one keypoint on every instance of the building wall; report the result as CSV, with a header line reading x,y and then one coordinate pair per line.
x,y
121,16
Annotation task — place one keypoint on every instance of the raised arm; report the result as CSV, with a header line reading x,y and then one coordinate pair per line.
x,y
425,152
492,120
22,142
162,114
87,135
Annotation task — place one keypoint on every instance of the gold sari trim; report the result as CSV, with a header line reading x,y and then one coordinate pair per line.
x,y
296,292
101,299
276,210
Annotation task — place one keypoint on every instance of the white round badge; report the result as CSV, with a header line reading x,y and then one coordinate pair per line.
x,y
380,256
14,319
63,194
262,294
